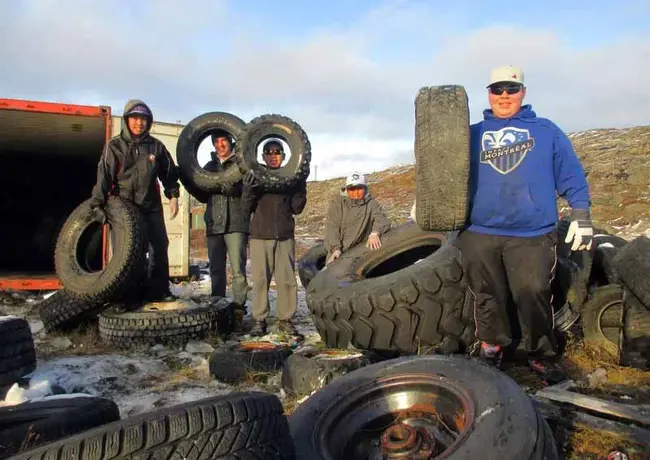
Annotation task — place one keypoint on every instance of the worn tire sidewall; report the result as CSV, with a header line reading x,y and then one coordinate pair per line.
x,y
192,175
507,426
310,263
276,126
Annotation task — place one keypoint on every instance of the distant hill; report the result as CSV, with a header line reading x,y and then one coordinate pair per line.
x,y
617,162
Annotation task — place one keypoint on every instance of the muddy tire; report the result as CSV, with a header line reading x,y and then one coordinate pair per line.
x,y
135,329
62,311
95,284
192,175
17,353
238,425
346,418
633,266
442,158
32,424
603,271
308,371
233,363
408,296
601,317
271,126
311,263
635,347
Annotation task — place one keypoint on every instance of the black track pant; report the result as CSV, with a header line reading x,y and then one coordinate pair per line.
x,y
501,267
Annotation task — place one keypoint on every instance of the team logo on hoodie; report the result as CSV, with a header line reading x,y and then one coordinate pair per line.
x,y
506,148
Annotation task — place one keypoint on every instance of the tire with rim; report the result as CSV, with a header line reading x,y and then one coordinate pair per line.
x,y
17,352
233,363
237,425
471,410
274,126
35,423
602,321
632,263
442,158
150,326
307,371
127,264
192,175
311,263
408,296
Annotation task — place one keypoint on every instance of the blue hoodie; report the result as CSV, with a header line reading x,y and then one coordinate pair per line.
x,y
517,166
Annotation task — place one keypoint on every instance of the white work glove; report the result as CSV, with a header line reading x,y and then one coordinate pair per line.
x,y
373,241
336,253
581,231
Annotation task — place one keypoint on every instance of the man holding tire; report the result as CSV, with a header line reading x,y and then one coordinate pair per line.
x,y
354,217
130,167
226,226
519,162
272,243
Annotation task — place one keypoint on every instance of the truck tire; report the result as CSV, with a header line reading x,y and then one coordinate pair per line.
x,y
279,127
603,271
489,414
129,254
192,175
32,424
233,363
311,263
62,311
170,327
442,158
407,296
308,371
17,353
633,265
238,425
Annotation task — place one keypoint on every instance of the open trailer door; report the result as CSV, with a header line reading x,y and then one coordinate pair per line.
x,y
49,154
178,230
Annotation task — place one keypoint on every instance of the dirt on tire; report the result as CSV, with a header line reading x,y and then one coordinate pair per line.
x,y
17,352
274,126
442,158
96,284
192,175
407,296
238,425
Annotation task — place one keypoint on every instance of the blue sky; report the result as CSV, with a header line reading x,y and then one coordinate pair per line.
x,y
347,71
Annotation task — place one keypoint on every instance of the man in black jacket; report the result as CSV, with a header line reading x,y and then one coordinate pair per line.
x,y
130,167
226,225
272,243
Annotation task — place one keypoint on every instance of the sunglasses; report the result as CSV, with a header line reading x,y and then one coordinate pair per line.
x,y
510,89
273,152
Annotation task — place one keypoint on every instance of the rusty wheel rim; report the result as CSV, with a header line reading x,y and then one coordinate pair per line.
x,y
411,416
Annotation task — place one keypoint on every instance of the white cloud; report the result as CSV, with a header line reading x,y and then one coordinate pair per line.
x,y
356,107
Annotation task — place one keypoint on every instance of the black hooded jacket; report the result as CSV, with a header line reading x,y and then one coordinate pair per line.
x,y
225,211
130,167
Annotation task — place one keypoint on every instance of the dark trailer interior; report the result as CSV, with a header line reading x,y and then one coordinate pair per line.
x,y
48,163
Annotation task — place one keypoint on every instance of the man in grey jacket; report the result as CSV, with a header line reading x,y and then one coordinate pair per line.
x,y
354,216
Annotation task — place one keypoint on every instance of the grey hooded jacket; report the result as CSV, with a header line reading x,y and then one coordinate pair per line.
x,y
350,222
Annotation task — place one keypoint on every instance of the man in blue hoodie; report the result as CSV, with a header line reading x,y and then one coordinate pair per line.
x,y
519,162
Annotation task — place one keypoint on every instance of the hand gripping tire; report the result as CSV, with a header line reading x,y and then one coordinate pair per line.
x,y
409,295
471,409
129,252
442,158
192,175
278,127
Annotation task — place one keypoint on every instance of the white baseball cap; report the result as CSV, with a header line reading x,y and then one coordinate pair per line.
x,y
508,73
355,179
